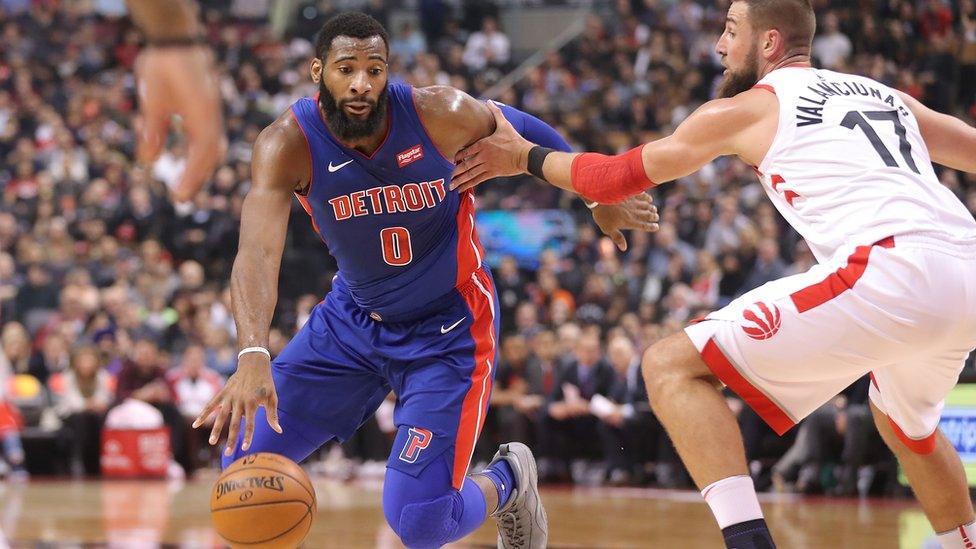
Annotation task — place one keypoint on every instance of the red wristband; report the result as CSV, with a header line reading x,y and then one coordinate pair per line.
x,y
610,179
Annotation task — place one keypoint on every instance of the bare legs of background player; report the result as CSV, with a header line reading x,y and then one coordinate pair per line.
x,y
687,399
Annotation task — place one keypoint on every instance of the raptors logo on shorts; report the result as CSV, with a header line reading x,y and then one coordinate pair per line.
x,y
761,321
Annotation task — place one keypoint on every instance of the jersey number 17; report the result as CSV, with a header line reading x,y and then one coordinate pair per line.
x,y
855,119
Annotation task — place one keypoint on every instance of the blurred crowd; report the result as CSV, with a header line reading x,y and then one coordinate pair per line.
x,y
108,291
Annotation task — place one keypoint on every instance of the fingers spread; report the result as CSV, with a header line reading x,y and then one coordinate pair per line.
x,y
272,412
474,182
208,409
233,429
249,409
467,152
218,425
469,179
463,171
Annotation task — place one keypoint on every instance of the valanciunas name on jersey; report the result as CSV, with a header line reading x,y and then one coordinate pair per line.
x,y
810,111
411,197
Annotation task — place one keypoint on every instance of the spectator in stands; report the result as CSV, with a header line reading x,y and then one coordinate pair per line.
x,y
53,357
488,47
13,449
619,414
517,393
84,393
221,356
408,43
510,286
569,414
725,232
143,378
194,385
864,459
832,47
16,347
817,443
10,423
768,266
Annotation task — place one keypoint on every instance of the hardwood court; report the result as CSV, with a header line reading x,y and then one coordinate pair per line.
x,y
147,514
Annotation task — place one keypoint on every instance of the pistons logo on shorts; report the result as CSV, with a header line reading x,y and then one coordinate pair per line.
x,y
417,440
761,321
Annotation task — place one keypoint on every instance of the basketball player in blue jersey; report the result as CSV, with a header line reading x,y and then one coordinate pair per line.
x,y
413,308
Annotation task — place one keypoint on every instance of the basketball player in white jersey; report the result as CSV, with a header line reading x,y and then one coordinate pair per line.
x,y
848,162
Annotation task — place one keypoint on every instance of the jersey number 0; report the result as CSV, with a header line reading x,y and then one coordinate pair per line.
x,y
396,246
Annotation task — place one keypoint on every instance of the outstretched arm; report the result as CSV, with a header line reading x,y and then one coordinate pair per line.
x,y
176,75
529,127
455,120
279,166
264,220
740,125
175,19
951,142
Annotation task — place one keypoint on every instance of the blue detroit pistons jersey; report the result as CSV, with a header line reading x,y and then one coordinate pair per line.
x,y
401,238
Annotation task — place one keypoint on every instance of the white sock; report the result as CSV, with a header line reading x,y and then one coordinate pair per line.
x,y
733,500
962,537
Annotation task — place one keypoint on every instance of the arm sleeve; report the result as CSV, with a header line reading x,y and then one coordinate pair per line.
x,y
534,130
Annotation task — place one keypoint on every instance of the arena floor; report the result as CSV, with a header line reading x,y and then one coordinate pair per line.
x,y
149,514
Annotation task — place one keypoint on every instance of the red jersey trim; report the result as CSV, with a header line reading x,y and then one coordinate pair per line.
x,y
723,369
474,407
306,205
840,281
922,446
469,251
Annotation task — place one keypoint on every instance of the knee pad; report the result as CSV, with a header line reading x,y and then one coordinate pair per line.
x,y
426,524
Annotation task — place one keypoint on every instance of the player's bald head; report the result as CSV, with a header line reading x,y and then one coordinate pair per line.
x,y
794,19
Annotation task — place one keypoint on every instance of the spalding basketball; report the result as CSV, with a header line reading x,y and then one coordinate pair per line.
x,y
263,501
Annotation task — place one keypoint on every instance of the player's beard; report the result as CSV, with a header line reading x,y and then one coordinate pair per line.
x,y
349,128
735,83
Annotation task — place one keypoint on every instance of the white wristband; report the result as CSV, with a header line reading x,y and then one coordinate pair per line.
x,y
590,205
253,350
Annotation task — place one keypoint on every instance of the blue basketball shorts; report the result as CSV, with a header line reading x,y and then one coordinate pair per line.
x,y
342,364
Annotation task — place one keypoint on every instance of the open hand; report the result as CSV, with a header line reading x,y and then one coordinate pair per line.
x,y
636,213
502,153
181,81
250,386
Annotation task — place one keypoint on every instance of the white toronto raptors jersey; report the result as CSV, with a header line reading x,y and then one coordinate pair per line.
x,y
848,165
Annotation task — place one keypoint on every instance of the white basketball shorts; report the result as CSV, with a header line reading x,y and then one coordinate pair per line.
x,y
902,310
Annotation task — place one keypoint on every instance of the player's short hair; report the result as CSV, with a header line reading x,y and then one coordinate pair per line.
x,y
353,24
794,19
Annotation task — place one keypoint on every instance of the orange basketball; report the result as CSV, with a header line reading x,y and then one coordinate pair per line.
x,y
263,501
